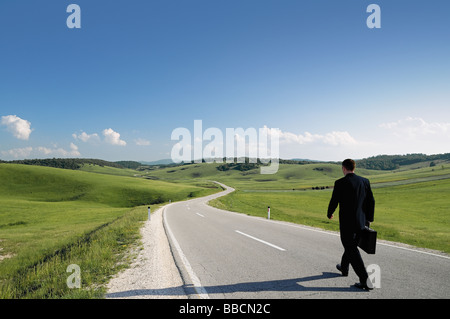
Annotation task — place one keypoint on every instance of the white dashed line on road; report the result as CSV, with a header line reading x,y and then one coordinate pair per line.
x,y
260,240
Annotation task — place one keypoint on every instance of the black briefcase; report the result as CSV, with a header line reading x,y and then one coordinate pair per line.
x,y
368,240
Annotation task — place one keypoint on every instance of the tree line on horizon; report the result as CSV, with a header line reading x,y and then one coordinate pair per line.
x,y
66,163
379,162
392,162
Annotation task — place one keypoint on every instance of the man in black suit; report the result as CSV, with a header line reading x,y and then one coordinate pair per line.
x,y
356,210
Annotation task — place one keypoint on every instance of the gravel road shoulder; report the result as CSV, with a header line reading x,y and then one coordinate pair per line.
x,y
153,274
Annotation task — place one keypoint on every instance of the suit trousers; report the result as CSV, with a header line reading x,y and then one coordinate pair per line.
x,y
352,256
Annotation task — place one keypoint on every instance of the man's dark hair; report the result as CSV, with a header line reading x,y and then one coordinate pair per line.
x,y
349,164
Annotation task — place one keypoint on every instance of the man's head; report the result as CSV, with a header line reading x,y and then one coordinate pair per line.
x,y
348,166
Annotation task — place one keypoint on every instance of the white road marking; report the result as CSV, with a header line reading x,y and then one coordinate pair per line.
x,y
200,215
337,234
201,291
393,245
414,250
260,240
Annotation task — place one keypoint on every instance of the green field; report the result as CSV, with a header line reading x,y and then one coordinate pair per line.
x,y
289,176
415,214
412,203
51,218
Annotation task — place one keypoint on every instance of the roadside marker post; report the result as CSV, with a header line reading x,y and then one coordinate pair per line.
x,y
268,212
148,212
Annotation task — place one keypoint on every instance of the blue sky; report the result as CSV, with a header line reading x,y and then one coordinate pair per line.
x,y
136,70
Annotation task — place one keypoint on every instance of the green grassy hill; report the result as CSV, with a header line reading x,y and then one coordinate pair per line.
x,y
289,176
412,202
42,184
50,218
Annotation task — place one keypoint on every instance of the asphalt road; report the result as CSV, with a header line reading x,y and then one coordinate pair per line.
x,y
222,254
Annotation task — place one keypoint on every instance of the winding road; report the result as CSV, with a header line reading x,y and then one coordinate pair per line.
x,y
222,254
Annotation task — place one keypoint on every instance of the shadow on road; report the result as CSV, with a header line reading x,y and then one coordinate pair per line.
x,y
284,285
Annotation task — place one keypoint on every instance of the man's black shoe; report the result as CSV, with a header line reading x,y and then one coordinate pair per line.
x,y
344,273
367,286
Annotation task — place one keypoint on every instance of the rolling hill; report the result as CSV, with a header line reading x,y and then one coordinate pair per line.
x,y
51,217
412,204
90,214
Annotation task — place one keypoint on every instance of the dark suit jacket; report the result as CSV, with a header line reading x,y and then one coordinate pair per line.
x,y
356,203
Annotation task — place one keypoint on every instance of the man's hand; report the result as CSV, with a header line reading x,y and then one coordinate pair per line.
x,y
330,217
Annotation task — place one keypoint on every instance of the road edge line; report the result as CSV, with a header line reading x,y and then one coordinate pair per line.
x,y
201,291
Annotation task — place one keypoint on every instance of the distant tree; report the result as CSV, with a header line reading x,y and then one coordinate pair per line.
x,y
129,164
391,162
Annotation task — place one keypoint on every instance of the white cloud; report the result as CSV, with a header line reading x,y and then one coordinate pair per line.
x,y
415,127
20,128
73,152
86,137
40,151
44,150
113,138
142,142
18,152
110,137
334,138
412,135
329,146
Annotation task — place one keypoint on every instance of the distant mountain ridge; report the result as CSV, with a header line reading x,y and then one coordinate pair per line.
x,y
166,161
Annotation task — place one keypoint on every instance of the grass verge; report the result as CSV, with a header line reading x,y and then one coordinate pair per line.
x,y
100,253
